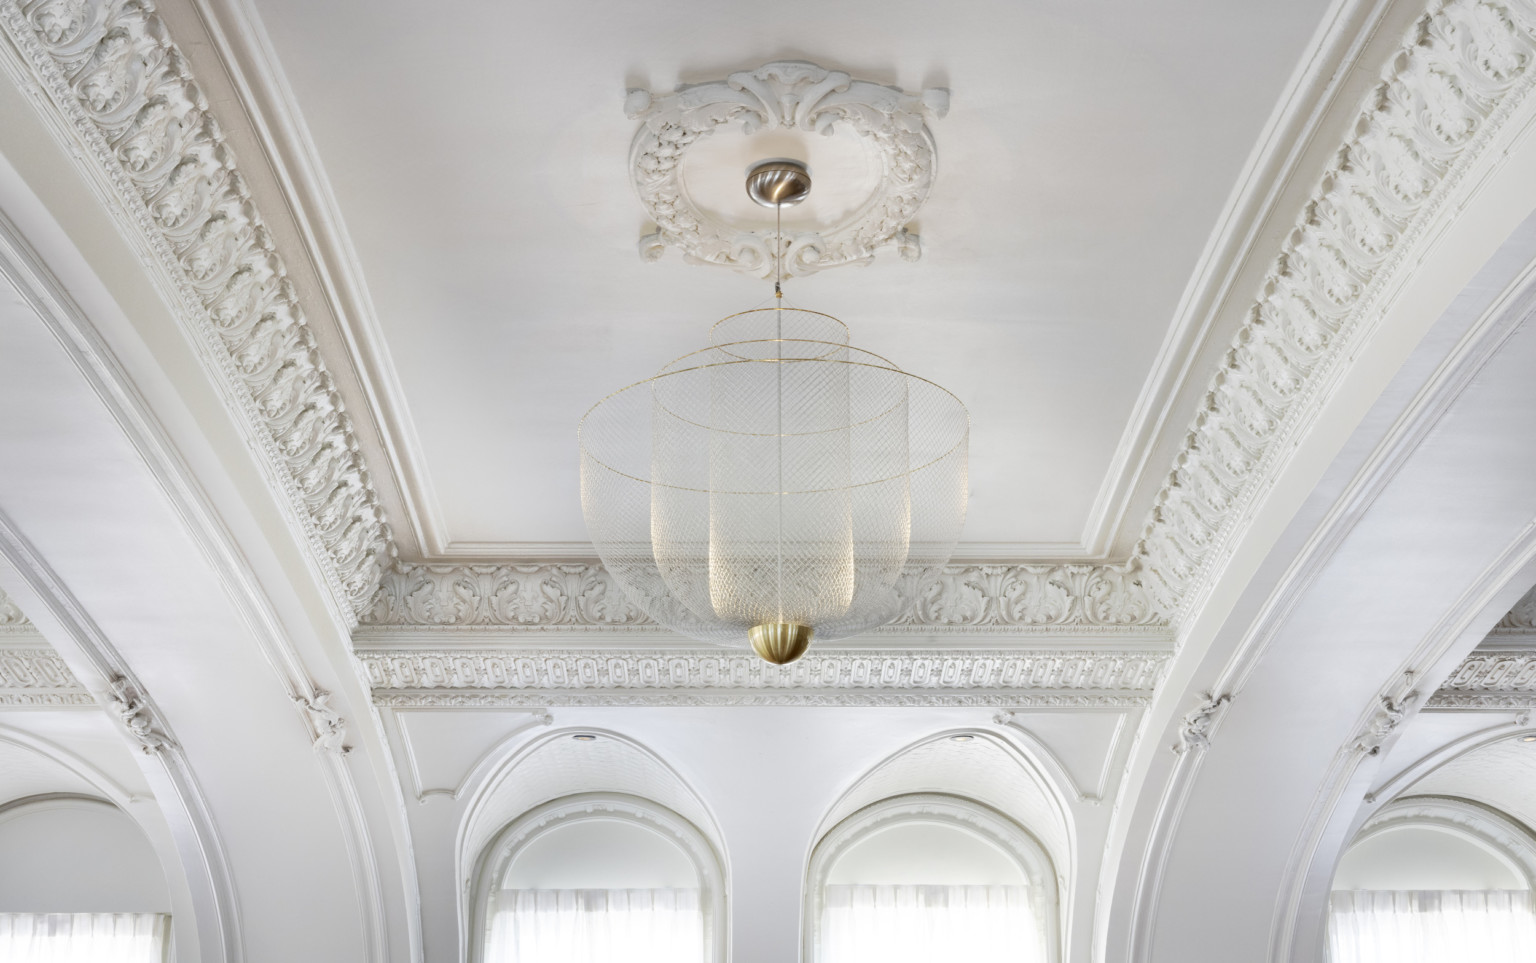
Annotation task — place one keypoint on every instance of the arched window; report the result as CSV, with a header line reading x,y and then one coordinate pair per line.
x,y
924,877
79,881
1435,878
600,878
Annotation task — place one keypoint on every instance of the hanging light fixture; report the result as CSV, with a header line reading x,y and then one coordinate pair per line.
x,y
777,485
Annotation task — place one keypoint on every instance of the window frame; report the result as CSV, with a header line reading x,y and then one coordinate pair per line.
x,y
956,811
510,841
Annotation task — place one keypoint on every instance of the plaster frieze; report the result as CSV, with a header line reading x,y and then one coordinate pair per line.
x,y
539,597
1490,679
1460,73
36,676
416,677
792,95
142,127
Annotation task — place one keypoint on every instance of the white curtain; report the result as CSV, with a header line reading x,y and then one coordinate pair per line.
x,y
83,937
1431,926
596,926
922,924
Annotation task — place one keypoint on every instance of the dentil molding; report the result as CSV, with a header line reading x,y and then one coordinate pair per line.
x,y
541,597
140,123
522,677
890,122
1464,67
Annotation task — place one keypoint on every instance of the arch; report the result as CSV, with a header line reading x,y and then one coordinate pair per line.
x,y
512,841
120,871
966,815
1486,826
598,765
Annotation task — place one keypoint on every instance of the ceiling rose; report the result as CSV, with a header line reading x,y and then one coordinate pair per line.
x,y
778,485
860,124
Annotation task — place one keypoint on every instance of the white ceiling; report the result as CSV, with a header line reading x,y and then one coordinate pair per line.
x,y
478,156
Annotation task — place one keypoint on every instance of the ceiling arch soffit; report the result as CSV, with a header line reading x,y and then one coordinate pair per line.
x,y
117,79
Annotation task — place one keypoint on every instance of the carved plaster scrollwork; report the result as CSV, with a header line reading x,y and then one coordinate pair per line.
x,y
402,677
562,596
788,94
1195,731
329,728
136,716
120,82
1391,710
1463,69
11,618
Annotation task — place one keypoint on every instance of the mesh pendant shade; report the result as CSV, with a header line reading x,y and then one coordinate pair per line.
x,y
779,477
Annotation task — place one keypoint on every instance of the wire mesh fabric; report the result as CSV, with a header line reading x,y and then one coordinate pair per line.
x,y
778,475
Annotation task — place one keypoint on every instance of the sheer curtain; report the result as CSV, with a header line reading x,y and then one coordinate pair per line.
x,y
596,926
83,937
921,924
1431,926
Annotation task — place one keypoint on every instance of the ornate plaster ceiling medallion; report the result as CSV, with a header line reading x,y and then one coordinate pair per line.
x,y
874,137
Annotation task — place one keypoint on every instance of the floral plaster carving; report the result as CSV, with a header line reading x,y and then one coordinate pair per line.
x,y
542,596
1195,731
1490,679
1465,65
330,729
11,617
113,72
789,94
137,717
523,677
1391,710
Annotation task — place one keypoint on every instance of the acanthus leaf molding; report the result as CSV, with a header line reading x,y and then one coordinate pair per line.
x,y
1463,68
121,84
555,596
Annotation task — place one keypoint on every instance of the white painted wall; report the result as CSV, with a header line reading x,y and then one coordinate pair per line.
x,y
72,855
601,854
925,854
1424,857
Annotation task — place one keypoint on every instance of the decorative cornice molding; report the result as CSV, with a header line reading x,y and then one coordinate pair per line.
x,y
1490,679
38,677
1520,620
121,86
1463,69
12,620
543,597
788,94
699,676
